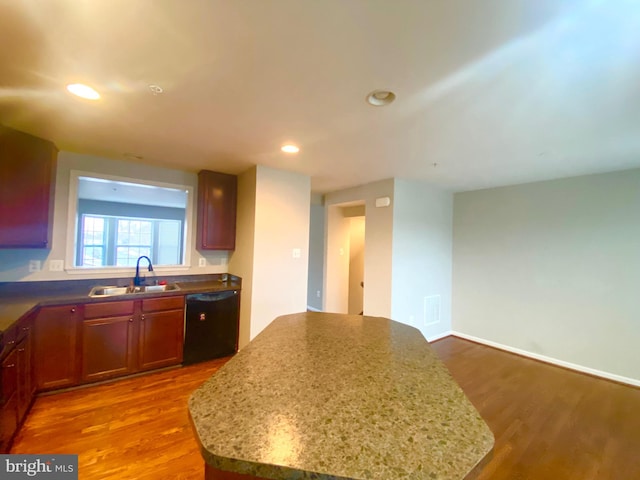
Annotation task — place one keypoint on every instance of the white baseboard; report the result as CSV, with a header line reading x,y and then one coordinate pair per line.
x,y
439,336
553,361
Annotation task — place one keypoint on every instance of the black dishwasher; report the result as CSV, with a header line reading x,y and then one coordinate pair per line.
x,y
211,329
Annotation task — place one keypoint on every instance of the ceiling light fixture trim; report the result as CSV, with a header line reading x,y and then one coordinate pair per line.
x,y
83,91
380,98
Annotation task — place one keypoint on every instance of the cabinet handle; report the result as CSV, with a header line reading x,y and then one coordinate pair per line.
x,y
25,329
21,349
142,318
131,319
11,342
11,365
73,310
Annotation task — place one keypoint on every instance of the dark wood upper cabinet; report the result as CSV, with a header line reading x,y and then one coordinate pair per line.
x,y
217,198
27,184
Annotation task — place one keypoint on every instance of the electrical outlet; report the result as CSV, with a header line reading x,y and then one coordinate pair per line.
x,y
296,253
35,266
202,262
56,265
318,293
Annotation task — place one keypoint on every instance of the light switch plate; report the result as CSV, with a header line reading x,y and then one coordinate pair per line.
x,y
35,266
296,253
202,262
56,265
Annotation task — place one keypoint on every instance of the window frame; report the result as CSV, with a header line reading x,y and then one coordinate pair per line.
x,y
73,224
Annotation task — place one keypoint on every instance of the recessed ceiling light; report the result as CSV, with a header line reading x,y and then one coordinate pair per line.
x,y
290,148
83,91
156,89
380,98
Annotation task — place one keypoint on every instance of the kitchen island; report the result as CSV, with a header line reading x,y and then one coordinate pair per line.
x,y
330,396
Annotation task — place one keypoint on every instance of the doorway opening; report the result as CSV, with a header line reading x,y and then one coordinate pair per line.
x,y
345,258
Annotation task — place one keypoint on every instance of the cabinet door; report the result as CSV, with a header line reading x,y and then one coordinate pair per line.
x,y
56,347
9,409
24,369
107,347
27,170
160,342
216,229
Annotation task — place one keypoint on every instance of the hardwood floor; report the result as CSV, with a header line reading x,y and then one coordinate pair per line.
x,y
134,429
549,423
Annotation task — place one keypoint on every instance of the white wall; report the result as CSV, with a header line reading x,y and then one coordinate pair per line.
x,y
279,283
553,268
336,288
14,263
378,240
422,256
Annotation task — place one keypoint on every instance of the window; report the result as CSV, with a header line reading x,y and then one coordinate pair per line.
x,y
118,221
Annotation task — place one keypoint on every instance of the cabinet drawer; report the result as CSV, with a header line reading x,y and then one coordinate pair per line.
x,y
23,328
108,309
9,338
162,303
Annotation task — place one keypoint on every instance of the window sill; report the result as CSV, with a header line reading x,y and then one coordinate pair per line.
x,y
125,271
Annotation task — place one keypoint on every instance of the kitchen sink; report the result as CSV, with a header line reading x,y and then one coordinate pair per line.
x,y
111,290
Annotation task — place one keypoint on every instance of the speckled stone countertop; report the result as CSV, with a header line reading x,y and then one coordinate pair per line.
x,y
330,396
20,298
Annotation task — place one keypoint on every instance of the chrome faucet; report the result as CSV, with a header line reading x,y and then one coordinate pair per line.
x,y
137,281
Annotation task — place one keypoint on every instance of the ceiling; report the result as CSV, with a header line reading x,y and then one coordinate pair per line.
x,y
489,93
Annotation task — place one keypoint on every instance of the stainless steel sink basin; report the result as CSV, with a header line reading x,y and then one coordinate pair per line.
x,y
102,291
111,290
158,288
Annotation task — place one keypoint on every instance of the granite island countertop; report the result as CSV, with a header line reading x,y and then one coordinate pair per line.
x,y
330,396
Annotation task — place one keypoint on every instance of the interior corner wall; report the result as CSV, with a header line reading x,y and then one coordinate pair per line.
x,y
241,260
422,257
316,256
553,268
337,261
356,264
279,282
378,239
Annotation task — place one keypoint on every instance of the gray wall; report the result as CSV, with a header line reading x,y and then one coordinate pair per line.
x,y
316,254
422,249
553,268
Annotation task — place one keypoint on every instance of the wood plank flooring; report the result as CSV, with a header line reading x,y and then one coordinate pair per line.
x,y
133,429
549,423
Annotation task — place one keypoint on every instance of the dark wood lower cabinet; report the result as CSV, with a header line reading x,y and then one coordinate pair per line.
x,y
68,345
161,335
24,373
160,341
56,347
9,420
211,473
107,348
124,337
16,382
